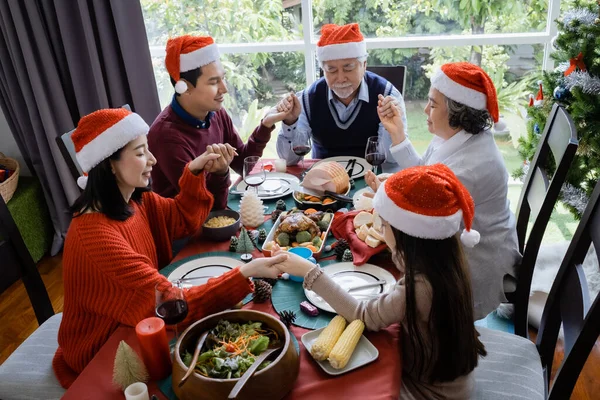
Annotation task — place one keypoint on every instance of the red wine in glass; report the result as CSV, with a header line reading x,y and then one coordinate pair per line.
x,y
301,150
375,159
172,311
374,153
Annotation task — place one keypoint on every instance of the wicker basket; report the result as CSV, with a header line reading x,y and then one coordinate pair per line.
x,y
8,187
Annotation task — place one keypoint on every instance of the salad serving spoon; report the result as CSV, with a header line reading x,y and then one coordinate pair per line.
x,y
192,365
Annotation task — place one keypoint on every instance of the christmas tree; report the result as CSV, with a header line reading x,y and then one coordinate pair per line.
x,y
574,84
128,367
245,245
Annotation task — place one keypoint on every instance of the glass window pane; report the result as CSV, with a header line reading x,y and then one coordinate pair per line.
x,y
227,21
394,18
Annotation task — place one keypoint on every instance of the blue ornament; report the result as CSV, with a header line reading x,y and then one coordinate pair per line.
x,y
536,129
561,93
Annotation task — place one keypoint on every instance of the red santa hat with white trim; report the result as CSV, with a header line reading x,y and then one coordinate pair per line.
x,y
470,85
340,42
428,202
186,53
100,134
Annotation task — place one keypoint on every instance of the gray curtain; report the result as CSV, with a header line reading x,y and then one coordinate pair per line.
x,y
61,60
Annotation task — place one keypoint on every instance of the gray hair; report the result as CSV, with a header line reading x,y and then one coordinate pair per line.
x,y
360,59
471,120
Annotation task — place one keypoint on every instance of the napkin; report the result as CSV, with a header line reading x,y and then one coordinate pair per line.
x,y
342,227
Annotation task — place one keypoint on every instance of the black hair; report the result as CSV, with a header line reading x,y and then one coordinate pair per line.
x,y
102,193
190,76
455,346
471,120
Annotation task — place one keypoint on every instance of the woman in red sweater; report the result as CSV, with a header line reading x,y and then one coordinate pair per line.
x,y
121,235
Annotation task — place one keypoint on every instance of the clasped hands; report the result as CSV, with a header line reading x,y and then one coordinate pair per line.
x,y
215,160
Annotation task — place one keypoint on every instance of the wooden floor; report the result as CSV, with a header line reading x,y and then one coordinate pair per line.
x,y
18,322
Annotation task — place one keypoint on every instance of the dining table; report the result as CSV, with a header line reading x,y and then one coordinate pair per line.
x,y
380,379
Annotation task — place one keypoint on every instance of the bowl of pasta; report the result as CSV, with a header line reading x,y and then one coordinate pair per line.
x,y
221,225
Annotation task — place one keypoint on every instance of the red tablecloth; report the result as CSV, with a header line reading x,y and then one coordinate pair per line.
x,y
378,380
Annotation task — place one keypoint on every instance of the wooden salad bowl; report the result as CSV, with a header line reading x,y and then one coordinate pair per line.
x,y
273,382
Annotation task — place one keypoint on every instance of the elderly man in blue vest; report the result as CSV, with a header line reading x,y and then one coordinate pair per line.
x,y
339,111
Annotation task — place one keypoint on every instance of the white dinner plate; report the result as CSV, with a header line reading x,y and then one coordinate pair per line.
x,y
199,271
360,192
364,353
360,167
276,185
347,275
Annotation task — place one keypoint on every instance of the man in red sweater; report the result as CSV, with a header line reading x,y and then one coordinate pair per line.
x,y
196,121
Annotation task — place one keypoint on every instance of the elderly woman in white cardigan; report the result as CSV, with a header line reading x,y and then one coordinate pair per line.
x,y
460,112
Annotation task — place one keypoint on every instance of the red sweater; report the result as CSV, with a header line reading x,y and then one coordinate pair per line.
x,y
110,270
175,142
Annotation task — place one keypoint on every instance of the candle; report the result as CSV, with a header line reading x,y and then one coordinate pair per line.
x,y
280,165
137,391
154,346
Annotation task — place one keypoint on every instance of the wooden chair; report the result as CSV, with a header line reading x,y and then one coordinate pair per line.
x,y
514,365
538,197
27,373
395,74
67,149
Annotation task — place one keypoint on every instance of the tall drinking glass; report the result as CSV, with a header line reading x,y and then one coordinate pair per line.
x,y
374,152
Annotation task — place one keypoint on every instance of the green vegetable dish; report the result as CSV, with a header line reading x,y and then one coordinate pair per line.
x,y
230,349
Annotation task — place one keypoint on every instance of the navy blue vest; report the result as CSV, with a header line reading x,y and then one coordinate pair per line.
x,y
329,138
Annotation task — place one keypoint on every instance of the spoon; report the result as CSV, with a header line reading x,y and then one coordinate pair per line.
x,y
194,359
250,371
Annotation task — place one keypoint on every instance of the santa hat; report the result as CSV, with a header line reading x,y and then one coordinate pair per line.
x,y
185,53
470,85
339,42
428,202
530,100
539,99
101,133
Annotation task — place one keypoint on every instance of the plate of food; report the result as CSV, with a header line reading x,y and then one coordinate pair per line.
x,y
356,167
199,271
377,281
276,185
322,180
299,228
363,353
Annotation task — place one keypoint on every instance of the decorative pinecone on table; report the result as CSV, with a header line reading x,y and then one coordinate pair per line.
x,y
270,281
340,247
262,235
347,257
280,205
287,317
262,291
275,214
233,242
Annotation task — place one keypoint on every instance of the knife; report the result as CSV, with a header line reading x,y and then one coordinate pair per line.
x,y
350,166
366,285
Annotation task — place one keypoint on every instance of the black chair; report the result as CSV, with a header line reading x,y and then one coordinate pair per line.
x,y
514,366
395,74
67,149
538,197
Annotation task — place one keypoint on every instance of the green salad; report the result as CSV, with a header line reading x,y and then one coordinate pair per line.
x,y
230,349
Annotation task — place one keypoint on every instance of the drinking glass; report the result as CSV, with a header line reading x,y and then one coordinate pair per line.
x,y
254,172
301,146
374,152
171,305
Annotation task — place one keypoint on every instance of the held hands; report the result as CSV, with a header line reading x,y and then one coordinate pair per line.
x,y
390,114
265,267
287,110
293,264
220,165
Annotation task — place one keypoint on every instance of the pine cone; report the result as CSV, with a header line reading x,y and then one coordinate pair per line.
x,y
275,214
347,257
340,247
270,281
233,242
287,317
280,205
262,235
262,291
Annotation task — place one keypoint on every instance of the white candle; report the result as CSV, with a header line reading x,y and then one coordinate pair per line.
x,y
137,391
280,165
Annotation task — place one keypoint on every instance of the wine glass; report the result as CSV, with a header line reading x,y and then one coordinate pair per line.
x,y
171,305
301,146
374,153
254,172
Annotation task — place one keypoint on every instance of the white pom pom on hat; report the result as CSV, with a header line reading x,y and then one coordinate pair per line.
x,y
181,87
470,238
186,53
82,181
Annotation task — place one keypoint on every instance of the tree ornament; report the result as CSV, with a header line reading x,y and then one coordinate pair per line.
x,y
233,242
536,129
262,291
287,317
539,99
128,367
251,210
341,246
245,246
347,257
275,214
576,63
561,93
262,235
280,205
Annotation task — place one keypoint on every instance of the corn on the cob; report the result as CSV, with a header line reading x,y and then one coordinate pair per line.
x,y
322,346
343,349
